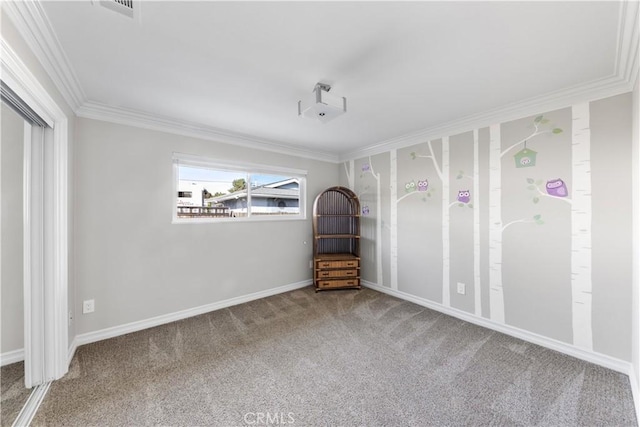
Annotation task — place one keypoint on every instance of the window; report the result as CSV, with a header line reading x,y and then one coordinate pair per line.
x,y
206,190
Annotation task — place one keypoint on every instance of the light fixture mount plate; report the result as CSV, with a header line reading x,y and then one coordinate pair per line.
x,y
325,107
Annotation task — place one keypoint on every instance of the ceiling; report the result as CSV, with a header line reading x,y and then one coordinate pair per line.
x,y
241,67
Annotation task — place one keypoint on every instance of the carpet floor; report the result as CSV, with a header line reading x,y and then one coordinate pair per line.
x,y
14,393
341,358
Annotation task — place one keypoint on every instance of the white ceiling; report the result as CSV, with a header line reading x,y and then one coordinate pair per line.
x,y
241,67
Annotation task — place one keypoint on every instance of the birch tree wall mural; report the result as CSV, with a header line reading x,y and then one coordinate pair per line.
x,y
443,175
524,158
368,170
524,189
349,171
477,291
393,217
581,227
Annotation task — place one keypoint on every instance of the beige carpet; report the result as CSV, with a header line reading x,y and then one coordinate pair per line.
x,y
342,358
14,394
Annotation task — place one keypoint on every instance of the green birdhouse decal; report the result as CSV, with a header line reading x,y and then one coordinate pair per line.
x,y
525,158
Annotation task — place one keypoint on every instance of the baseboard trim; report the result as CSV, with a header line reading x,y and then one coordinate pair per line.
x,y
72,351
10,357
116,331
550,343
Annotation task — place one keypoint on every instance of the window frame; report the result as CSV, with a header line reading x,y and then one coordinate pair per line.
x,y
182,159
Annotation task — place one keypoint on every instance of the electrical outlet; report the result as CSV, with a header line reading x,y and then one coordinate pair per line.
x,y
88,306
462,288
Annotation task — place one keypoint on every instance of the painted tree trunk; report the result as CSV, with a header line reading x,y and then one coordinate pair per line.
x,y
496,293
581,227
393,217
446,244
476,226
378,231
350,172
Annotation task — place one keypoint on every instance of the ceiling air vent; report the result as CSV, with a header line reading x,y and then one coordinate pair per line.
x,y
124,7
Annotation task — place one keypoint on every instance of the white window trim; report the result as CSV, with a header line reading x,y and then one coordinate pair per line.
x,y
251,169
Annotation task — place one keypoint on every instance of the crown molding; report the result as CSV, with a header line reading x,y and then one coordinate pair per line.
x,y
140,119
627,48
33,25
597,89
622,80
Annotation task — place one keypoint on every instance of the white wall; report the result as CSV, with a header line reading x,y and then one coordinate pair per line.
x,y
136,264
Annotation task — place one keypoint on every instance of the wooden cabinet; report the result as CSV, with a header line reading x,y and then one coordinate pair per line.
x,y
336,235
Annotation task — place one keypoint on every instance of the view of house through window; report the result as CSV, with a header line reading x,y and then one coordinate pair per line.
x,y
213,192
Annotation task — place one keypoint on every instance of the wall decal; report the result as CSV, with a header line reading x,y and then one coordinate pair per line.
x,y
423,185
553,189
525,158
442,170
496,227
581,263
367,169
349,171
365,210
557,188
410,186
464,196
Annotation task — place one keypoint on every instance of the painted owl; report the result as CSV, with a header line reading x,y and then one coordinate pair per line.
x,y
557,187
410,187
464,196
366,167
365,210
423,185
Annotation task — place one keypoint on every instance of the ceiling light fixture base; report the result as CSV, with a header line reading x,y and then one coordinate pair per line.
x,y
324,107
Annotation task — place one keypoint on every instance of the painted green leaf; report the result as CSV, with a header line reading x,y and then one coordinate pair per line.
x,y
424,199
461,172
538,119
428,194
470,205
539,182
460,205
537,217
540,222
557,130
544,121
459,177
536,199
413,155
531,187
530,181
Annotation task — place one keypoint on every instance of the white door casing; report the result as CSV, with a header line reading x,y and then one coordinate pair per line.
x,y
45,226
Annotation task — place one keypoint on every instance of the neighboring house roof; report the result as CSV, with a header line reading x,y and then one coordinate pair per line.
x,y
265,191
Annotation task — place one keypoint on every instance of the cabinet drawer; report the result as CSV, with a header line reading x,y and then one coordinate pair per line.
x,y
338,273
351,283
337,264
